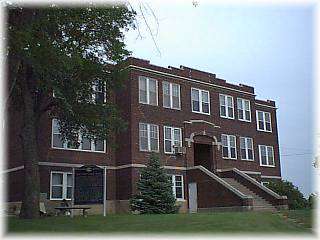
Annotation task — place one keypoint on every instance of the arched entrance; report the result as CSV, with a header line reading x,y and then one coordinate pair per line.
x,y
205,146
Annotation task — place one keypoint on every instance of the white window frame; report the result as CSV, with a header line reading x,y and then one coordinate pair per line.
x,y
149,137
172,138
265,183
246,148
95,90
243,109
229,146
174,190
65,144
64,184
171,95
267,156
148,90
200,101
226,106
264,121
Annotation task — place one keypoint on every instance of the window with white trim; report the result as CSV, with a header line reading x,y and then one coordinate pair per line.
x,y
85,143
60,186
246,148
171,95
244,110
148,91
177,186
264,121
99,92
229,149
172,137
200,101
266,155
226,106
148,137
264,183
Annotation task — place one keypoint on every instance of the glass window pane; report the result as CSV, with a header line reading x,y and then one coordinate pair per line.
x,y
230,112
86,143
168,146
224,140
69,179
239,104
247,105
144,143
154,144
250,154
175,102
56,192
166,88
223,111
175,90
69,192
143,89
195,95
57,179
57,141
267,117
225,151
195,106
268,126
205,97
260,116
55,126
243,154
230,101
167,133
99,145
205,107
222,100
240,114
178,192
249,143
261,125
242,143
233,152
247,115
232,140
177,136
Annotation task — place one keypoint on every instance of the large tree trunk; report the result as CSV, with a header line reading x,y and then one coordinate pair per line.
x,y
30,202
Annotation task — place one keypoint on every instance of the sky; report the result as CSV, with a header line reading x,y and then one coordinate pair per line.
x,y
269,47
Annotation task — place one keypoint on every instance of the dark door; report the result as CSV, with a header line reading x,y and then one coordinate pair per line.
x,y
203,155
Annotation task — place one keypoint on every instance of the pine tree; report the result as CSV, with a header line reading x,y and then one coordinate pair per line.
x,y
155,190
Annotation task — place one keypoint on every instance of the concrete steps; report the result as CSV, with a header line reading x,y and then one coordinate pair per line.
x,y
259,203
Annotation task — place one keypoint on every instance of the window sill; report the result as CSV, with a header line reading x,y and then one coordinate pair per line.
x,y
148,151
248,160
242,120
208,114
227,117
226,158
180,200
178,109
155,105
77,150
259,130
59,199
270,166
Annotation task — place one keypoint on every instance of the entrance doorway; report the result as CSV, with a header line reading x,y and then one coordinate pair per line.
x,y
203,155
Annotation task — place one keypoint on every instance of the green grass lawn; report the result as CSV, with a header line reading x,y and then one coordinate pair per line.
x,y
223,222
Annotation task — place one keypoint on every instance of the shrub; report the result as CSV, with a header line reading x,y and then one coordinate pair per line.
x,y
286,188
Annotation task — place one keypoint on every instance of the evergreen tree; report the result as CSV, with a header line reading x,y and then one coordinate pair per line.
x,y
155,190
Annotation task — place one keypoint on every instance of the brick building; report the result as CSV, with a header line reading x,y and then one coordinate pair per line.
x,y
216,140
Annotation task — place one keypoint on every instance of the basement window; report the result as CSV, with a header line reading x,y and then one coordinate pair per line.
x,y
177,186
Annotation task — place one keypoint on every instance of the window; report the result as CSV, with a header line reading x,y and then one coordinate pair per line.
x,y
265,184
148,137
244,112
200,101
148,91
266,156
177,186
229,149
264,121
85,143
246,148
99,92
171,95
226,106
172,137
61,186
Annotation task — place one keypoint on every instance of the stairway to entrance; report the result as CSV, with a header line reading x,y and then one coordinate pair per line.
x,y
259,204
